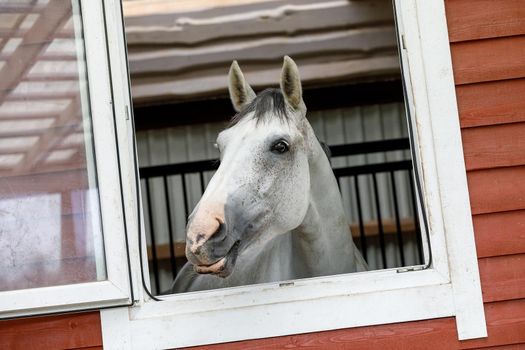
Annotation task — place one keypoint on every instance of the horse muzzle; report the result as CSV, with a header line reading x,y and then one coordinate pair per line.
x,y
210,249
224,266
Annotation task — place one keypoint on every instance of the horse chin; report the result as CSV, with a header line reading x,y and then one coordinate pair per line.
x,y
223,267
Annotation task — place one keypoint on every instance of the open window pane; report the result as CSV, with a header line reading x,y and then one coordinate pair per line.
x,y
348,58
50,231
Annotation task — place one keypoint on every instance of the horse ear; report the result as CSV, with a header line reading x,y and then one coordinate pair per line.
x,y
291,83
241,93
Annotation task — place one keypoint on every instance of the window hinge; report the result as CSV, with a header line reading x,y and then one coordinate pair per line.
x,y
410,269
403,42
127,112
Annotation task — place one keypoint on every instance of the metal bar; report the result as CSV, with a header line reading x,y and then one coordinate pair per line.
x,y
152,236
416,218
342,150
379,221
170,228
373,168
185,196
369,147
180,168
398,221
201,179
360,217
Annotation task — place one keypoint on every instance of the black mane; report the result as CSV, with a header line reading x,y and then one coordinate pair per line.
x,y
268,103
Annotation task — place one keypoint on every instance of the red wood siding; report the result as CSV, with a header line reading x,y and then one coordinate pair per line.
x,y
476,19
488,54
506,147
502,277
496,190
71,331
489,59
491,103
501,233
505,320
488,46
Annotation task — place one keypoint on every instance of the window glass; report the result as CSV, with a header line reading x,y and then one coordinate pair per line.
x,y
50,231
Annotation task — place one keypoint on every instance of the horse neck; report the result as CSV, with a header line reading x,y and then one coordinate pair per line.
x,y
323,240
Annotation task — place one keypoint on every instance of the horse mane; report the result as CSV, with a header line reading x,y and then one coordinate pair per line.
x,y
270,100
268,103
326,150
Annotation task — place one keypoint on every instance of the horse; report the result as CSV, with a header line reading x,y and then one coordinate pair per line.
x,y
272,211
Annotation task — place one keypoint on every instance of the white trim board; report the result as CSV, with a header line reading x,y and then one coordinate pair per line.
x,y
449,288
116,289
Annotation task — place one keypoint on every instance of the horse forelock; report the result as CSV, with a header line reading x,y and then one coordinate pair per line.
x,y
268,104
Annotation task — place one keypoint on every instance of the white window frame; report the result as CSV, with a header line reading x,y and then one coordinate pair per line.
x,y
450,287
116,289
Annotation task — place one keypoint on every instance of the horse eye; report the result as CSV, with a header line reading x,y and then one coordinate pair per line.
x,y
280,147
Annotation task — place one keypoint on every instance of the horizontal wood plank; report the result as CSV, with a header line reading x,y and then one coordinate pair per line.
x,y
491,103
482,19
505,322
500,233
178,88
494,146
505,325
502,277
68,331
358,43
507,347
488,60
497,190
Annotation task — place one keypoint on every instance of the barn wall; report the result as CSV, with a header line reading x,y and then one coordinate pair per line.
x,y
488,49
70,331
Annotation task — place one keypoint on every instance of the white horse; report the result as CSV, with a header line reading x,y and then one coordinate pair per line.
x,y
272,211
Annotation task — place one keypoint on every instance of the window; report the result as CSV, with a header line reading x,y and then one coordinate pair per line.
x,y
370,155
60,200
450,287
358,112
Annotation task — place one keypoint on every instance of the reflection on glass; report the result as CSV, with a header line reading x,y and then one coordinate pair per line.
x,y
50,232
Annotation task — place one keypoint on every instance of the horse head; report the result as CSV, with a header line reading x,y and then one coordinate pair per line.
x,y
261,188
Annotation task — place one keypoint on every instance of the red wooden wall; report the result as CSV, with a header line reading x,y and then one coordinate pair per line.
x,y
71,331
488,52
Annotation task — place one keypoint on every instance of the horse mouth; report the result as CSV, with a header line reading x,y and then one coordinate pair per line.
x,y
224,266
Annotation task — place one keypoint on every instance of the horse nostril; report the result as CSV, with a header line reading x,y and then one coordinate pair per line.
x,y
200,243
220,233
197,250
219,229
199,238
